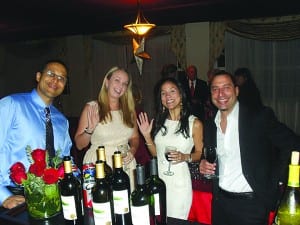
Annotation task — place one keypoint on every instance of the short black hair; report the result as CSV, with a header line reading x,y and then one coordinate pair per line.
x,y
44,66
223,72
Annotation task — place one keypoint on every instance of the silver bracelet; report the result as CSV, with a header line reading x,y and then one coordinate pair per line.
x,y
88,131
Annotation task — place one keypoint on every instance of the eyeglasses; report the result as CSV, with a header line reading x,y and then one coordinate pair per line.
x,y
60,78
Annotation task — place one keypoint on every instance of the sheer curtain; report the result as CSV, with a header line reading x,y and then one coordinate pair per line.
x,y
275,66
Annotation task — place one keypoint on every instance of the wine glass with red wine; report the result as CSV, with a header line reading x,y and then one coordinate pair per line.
x,y
168,149
210,154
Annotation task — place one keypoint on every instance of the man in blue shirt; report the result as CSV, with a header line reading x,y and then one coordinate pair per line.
x,y
22,123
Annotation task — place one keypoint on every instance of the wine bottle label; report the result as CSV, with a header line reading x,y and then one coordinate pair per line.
x,y
121,202
140,215
156,204
102,213
69,207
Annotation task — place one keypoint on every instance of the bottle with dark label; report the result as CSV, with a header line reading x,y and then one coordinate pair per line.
x,y
140,209
289,208
121,192
71,195
102,156
102,197
157,190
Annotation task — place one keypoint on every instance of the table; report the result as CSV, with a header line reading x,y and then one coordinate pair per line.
x,y
19,216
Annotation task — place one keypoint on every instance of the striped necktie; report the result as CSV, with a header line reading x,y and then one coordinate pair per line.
x,y
49,134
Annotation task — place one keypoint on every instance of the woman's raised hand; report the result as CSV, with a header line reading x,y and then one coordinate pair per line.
x,y
144,126
92,117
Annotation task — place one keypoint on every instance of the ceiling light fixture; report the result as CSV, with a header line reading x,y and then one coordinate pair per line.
x,y
141,25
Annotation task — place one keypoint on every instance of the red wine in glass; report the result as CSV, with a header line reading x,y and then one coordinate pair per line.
x,y
210,154
167,156
167,151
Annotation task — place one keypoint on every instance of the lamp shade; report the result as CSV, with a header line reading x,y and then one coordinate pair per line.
x,y
139,28
141,25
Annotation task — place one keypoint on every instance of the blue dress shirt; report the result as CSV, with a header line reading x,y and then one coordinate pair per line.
x,y
22,123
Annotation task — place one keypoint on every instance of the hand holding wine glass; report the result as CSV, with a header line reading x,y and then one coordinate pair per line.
x,y
169,149
210,154
124,151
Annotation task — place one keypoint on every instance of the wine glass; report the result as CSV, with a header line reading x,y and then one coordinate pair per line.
x,y
124,150
210,154
168,149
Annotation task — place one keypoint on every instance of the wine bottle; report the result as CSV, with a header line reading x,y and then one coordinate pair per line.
x,y
289,208
71,195
140,209
102,197
157,189
101,156
121,192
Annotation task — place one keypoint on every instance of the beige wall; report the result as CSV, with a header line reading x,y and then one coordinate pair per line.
x,y
197,46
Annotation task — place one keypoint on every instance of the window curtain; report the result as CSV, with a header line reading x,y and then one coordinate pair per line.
x,y
216,41
270,28
178,43
273,61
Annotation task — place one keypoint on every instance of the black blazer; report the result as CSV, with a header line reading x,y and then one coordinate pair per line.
x,y
265,146
201,95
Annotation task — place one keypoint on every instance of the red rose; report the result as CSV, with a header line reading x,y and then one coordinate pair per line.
x,y
50,176
61,171
17,167
37,168
18,176
38,155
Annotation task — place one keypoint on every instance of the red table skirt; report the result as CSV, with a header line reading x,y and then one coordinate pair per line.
x,y
201,207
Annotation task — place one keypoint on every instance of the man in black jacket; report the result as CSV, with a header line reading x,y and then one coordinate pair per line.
x,y
247,186
198,92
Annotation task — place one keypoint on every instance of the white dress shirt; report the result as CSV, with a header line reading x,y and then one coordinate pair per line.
x,y
231,177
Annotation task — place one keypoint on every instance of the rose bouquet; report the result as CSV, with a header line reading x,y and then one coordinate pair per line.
x,y
40,182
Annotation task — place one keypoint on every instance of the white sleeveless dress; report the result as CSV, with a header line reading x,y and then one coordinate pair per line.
x,y
110,135
179,186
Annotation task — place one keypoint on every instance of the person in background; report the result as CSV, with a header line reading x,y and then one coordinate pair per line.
x,y
248,91
174,126
22,122
247,186
210,109
198,92
142,155
169,70
110,121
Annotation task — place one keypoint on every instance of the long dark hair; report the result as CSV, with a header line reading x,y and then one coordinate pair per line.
x,y
162,113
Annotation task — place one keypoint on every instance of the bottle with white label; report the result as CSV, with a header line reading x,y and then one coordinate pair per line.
x,y
157,189
71,195
102,197
121,192
140,209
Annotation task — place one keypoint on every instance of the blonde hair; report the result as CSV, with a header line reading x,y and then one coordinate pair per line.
x,y
126,101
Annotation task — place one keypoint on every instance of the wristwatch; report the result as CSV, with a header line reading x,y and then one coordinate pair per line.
x,y
190,158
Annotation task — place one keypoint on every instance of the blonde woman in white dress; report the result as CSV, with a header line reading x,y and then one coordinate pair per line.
x,y
174,126
110,121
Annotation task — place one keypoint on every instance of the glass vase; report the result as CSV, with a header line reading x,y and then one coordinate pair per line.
x,y
42,201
